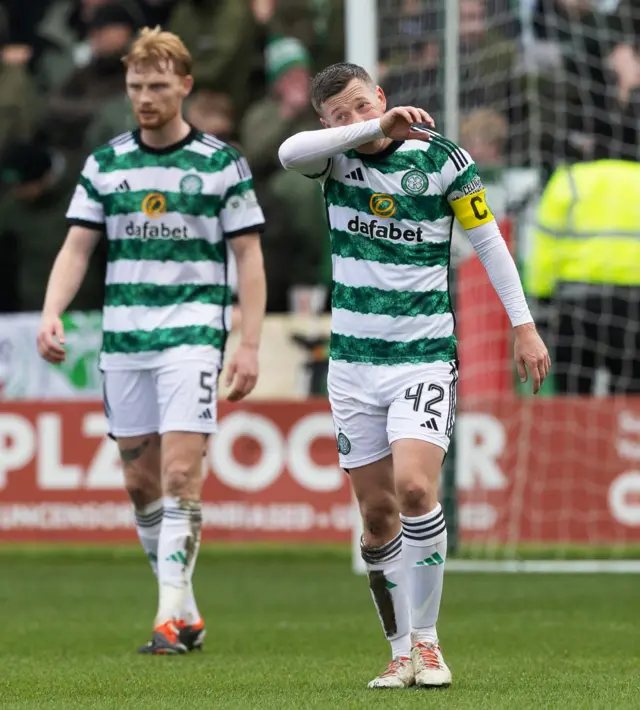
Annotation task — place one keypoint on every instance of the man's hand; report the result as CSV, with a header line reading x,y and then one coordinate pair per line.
x,y
531,353
244,369
51,339
398,122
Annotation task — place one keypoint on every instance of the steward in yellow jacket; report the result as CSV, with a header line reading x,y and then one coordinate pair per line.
x,y
585,259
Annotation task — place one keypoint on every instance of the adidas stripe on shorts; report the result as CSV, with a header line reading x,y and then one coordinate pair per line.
x,y
177,396
375,405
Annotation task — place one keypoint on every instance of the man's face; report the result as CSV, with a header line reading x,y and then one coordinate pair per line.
x,y
292,89
156,94
356,103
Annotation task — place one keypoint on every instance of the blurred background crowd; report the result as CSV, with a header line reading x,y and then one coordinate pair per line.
x,y
541,82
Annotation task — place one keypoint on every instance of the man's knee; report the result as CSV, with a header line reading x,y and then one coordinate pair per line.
x,y
182,465
417,466
141,469
415,495
380,518
179,478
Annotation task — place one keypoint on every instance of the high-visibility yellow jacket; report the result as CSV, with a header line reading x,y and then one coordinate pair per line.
x,y
587,228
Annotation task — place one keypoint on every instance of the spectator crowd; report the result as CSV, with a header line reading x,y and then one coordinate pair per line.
x,y
541,82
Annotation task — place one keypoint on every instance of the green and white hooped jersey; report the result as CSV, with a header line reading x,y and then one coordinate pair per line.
x,y
391,217
167,215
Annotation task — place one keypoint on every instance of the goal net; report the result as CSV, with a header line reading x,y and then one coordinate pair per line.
x,y
526,87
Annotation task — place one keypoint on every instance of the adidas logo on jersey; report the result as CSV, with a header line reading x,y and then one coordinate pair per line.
x,y
379,230
123,186
206,414
356,175
430,424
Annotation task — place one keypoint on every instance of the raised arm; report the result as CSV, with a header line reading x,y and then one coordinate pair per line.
x,y
309,152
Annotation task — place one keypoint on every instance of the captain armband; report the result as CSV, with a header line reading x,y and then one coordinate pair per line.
x,y
472,210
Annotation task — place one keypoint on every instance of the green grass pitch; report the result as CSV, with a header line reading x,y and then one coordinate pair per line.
x,y
296,629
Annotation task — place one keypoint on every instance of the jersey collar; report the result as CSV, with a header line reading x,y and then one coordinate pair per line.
x,y
168,148
375,157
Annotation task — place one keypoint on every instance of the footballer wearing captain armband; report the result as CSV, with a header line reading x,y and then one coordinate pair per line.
x,y
393,189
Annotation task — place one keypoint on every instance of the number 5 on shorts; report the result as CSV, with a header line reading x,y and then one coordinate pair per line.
x,y
207,386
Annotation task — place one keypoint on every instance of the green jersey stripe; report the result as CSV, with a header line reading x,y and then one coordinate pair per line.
x,y
117,203
367,299
91,190
237,190
426,208
137,341
187,160
347,245
165,250
464,178
153,295
377,350
429,160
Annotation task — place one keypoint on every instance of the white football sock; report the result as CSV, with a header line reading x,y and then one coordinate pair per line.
x,y
387,582
424,551
178,546
148,524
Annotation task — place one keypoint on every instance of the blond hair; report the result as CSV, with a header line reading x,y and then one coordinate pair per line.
x,y
157,48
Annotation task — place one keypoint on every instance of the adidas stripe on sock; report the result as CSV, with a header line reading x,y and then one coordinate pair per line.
x,y
424,551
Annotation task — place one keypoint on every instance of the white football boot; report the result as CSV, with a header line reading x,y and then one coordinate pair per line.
x,y
429,667
399,674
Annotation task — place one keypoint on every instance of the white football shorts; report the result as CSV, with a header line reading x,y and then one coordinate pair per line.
x,y
375,405
178,396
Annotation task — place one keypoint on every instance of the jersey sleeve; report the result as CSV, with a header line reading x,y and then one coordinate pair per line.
x,y
86,208
465,192
463,189
240,212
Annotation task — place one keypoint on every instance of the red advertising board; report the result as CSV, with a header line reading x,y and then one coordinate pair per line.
x,y
547,470
528,470
271,474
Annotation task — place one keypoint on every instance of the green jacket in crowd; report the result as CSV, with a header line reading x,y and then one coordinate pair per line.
x,y
318,24
226,44
295,241
21,108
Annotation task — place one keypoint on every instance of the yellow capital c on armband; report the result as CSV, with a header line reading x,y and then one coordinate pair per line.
x,y
472,210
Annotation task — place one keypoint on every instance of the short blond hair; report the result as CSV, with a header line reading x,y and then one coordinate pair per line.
x,y
158,48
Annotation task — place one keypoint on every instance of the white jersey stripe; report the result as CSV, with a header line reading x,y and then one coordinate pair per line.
x,y
400,277
120,319
398,329
196,227
169,179
165,273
